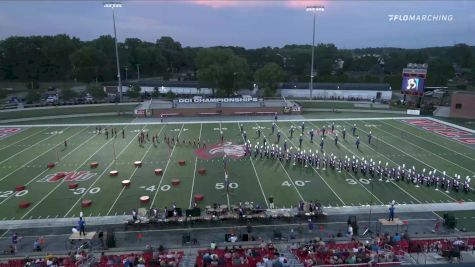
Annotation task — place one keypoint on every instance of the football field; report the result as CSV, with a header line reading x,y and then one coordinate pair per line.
x,y
26,150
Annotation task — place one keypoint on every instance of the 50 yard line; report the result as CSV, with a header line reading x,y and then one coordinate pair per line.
x,y
194,172
255,171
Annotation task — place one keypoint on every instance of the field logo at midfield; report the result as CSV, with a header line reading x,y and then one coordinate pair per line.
x,y
219,150
68,176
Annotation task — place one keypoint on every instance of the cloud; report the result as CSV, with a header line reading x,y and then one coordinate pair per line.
x,y
225,3
302,3
253,3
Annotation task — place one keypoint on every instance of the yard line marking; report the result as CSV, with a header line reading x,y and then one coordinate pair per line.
x,y
29,147
103,172
227,193
132,175
471,172
382,154
166,167
56,216
29,136
351,174
407,155
341,200
194,172
47,217
22,166
291,180
62,181
41,173
215,121
255,171
445,138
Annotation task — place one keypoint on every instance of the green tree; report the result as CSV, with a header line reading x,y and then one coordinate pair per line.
x,y
69,94
88,63
221,69
33,95
3,93
134,91
268,78
462,55
96,91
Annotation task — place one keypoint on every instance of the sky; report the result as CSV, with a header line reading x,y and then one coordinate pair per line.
x,y
251,24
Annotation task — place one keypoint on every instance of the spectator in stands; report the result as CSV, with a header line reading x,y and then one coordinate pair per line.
x,y
397,238
36,245
213,245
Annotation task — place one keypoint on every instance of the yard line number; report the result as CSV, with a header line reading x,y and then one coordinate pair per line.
x,y
164,188
353,181
81,190
10,193
296,182
220,186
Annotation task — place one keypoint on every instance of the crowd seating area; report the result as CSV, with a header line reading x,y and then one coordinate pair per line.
x,y
240,257
143,259
317,252
71,260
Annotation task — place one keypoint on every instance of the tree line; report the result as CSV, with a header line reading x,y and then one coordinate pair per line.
x,y
36,59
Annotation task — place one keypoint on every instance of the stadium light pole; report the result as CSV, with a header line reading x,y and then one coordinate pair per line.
x,y
138,71
113,6
314,10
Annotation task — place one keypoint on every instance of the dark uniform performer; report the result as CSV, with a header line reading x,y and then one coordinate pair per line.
x,y
358,143
323,131
245,136
273,127
258,132
278,136
321,145
65,143
242,128
333,127
123,133
336,139
303,127
344,133
369,137
354,129
311,135
300,141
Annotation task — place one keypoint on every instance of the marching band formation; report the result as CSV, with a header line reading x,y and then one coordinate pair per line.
x,y
440,180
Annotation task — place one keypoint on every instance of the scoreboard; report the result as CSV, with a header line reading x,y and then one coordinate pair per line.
x,y
413,79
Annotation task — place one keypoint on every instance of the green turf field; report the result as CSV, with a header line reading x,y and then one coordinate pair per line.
x,y
24,156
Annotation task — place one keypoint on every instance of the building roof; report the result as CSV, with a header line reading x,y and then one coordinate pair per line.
x,y
339,86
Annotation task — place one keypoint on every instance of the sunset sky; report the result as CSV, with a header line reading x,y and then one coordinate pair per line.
x,y
251,24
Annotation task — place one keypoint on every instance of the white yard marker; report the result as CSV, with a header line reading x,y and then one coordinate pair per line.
x,y
430,153
194,172
341,200
165,170
255,172
29,136
291,180
132,175
29,147
101,175
409,156
62,181
354,178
